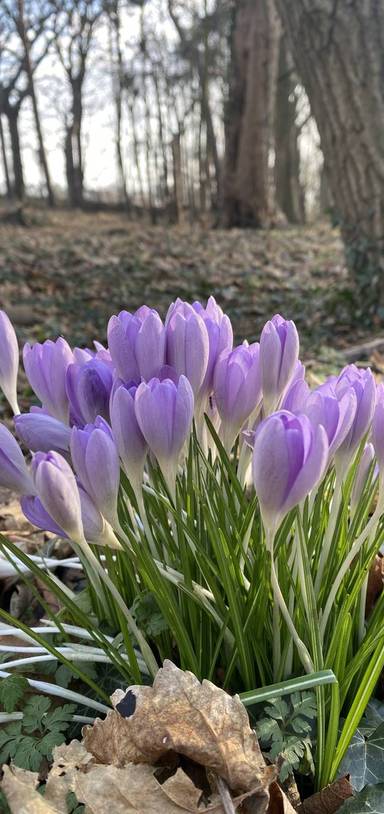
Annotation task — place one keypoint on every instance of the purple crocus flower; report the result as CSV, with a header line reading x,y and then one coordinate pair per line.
x,y
131,444
363,384
164,412
188,345
37,515
296,395
237,389
96,463
279,352
289,458
137,344
336,416
14,473
9,361
220,336
39,431
96,529
89,388
378,427
57,489
46,366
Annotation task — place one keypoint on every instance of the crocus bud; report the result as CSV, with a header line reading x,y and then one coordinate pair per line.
x,y
131,444
336,416
296,396
41,432
361,475
378,427
57,489
14,472
137,344
46,366
37,515
220,336
96,528
164,412
363,384
279,352
89,388
237,389
96,463
289,458
9,361
188,345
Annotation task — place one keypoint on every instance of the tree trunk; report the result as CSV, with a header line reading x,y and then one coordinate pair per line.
x,y
338,49
248,193
177,179
31,84
73,147
117,89
5,161
289,192
17,163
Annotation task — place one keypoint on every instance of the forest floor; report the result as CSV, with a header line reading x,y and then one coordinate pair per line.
x,y
67,272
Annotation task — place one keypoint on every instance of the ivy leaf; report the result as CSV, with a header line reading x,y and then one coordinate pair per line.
x,y
368,801
373,717
12,690
364,760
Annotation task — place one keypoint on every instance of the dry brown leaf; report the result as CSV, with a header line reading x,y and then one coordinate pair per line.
x,y
181,790
279,803
375,583
132,790
194,719
68,760
329,799
19,787
110,741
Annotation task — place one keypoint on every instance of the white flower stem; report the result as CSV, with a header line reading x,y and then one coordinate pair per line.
x,y
280,603
143,644
327,542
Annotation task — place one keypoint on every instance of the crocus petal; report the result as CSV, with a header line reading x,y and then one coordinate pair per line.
x,y
9,361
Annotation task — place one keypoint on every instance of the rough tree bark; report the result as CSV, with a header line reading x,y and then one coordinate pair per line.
x,y
73,145
248,196
289,192
5,161
12,114
338,47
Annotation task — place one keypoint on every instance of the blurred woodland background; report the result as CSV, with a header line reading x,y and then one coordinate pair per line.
x,y
206,145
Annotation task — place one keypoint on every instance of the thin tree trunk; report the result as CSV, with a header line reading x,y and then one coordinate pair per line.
x,y
248,194
338,49
73,147
289,192
117,87
5,161
32,93
177,178
136,153
17,163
